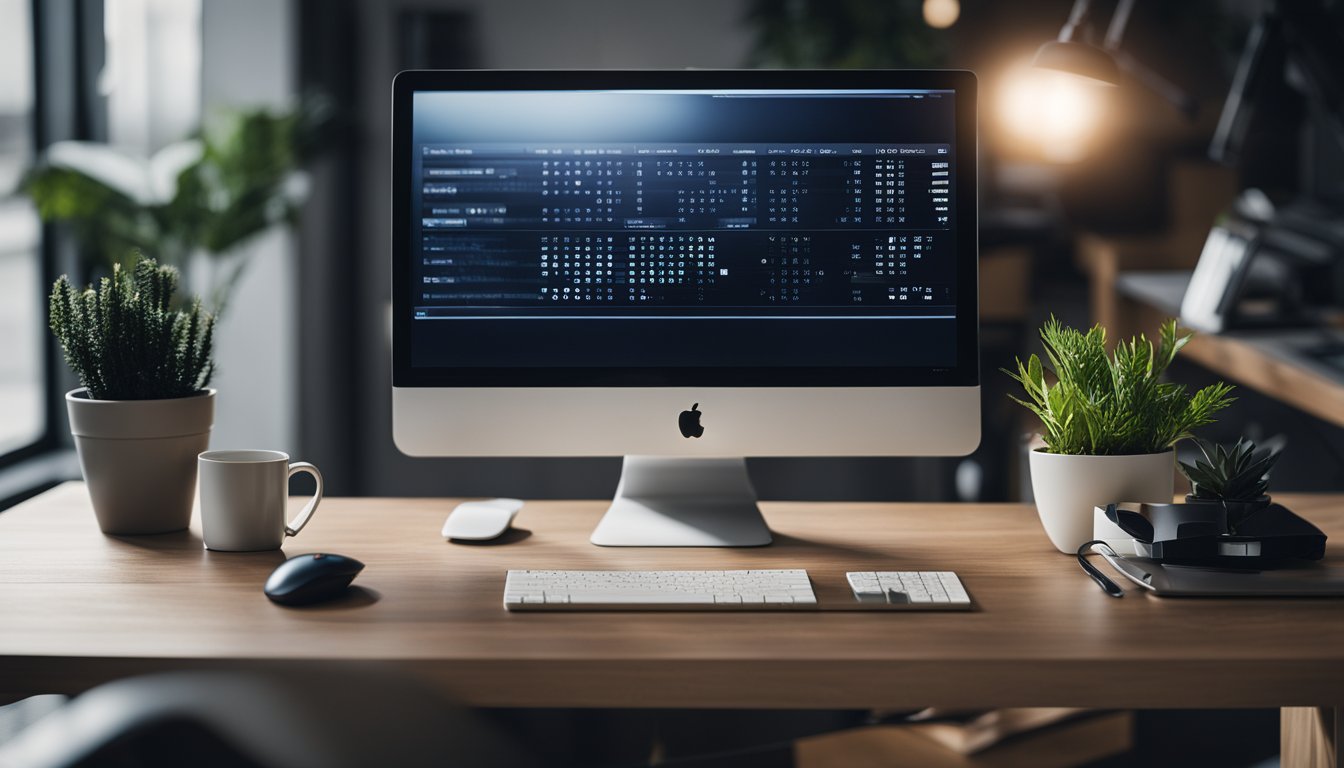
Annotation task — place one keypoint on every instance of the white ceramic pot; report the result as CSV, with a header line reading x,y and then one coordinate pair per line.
x,y
1067,488
139,458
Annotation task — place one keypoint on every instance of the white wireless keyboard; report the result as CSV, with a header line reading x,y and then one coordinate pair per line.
x,y
657,590
913,589
769,590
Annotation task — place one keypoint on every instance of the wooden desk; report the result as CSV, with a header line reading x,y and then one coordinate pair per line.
x,y
79,608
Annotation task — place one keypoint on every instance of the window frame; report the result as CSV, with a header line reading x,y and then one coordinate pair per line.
x,y
67,52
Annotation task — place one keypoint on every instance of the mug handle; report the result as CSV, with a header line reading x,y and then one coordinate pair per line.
x,y
311,506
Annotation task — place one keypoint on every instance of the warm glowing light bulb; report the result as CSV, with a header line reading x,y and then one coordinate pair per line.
x,y
941,14
1056,112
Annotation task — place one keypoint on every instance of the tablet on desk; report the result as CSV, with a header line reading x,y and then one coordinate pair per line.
x,y
1309,580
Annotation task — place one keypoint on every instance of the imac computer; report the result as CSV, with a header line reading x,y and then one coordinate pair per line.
x,y
684,268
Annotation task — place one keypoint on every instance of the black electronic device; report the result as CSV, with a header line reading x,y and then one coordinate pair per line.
x,y
311,578
1279,265
1197,534
1263,267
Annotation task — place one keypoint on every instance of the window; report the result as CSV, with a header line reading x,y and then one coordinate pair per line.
x,y
57,62
22,321
152,76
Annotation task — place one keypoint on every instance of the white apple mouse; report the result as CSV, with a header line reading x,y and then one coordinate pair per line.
x,y
481,520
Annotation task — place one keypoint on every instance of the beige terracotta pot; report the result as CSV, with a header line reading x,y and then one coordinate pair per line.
x,y
139,458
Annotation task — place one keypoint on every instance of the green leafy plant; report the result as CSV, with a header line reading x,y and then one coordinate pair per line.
x,y
210,193
1114,404
125,341
1230,473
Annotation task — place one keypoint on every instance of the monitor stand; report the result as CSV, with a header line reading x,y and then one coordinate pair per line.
x,y
674,502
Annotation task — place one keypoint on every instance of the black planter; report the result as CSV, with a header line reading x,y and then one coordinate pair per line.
x,y
1196,533
1228,517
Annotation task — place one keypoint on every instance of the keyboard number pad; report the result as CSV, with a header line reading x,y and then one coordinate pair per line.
x,y
915,588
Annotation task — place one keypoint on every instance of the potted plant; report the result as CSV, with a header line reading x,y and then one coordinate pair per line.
x,y
1235,477
144,411
1110,424
206,195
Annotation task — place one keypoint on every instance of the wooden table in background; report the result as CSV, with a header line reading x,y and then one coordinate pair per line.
x,y
1271,361
80,608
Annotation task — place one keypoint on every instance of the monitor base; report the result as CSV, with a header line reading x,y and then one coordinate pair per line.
x,y
672,502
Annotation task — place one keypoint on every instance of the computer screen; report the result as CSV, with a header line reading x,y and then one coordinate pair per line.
x,y
684,268
686,236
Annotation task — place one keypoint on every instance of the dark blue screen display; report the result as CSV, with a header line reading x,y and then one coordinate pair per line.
x,y
696,229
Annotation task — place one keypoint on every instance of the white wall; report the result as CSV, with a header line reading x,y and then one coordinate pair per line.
x,y
248,61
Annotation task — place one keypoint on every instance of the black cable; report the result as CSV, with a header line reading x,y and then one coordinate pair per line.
x,y
1107,586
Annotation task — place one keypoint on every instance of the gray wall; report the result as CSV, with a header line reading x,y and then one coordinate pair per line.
x,y
538,34
247,62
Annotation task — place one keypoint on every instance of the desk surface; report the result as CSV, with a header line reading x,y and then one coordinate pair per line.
x,y
79,608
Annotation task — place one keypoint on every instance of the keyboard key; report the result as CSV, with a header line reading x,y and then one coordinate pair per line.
x,y
639,598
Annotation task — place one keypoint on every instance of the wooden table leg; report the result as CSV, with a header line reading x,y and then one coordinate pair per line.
x,y
1309,737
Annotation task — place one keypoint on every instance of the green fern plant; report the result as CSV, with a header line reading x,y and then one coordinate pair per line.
x,y
1113,404
1229,473
125,341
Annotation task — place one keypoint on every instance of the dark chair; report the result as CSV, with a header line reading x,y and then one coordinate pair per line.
x,y
292,718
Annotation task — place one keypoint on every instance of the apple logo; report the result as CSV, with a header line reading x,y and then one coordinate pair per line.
x,y
689,422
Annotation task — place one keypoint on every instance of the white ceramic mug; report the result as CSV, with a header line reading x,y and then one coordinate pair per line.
x,y
243,499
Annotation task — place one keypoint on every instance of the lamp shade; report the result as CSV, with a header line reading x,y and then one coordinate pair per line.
x,y
1078,59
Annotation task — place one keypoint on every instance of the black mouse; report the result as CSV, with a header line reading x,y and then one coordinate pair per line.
x,y
312,578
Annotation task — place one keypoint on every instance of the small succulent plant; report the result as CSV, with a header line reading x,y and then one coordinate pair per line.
x,y
1229,473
